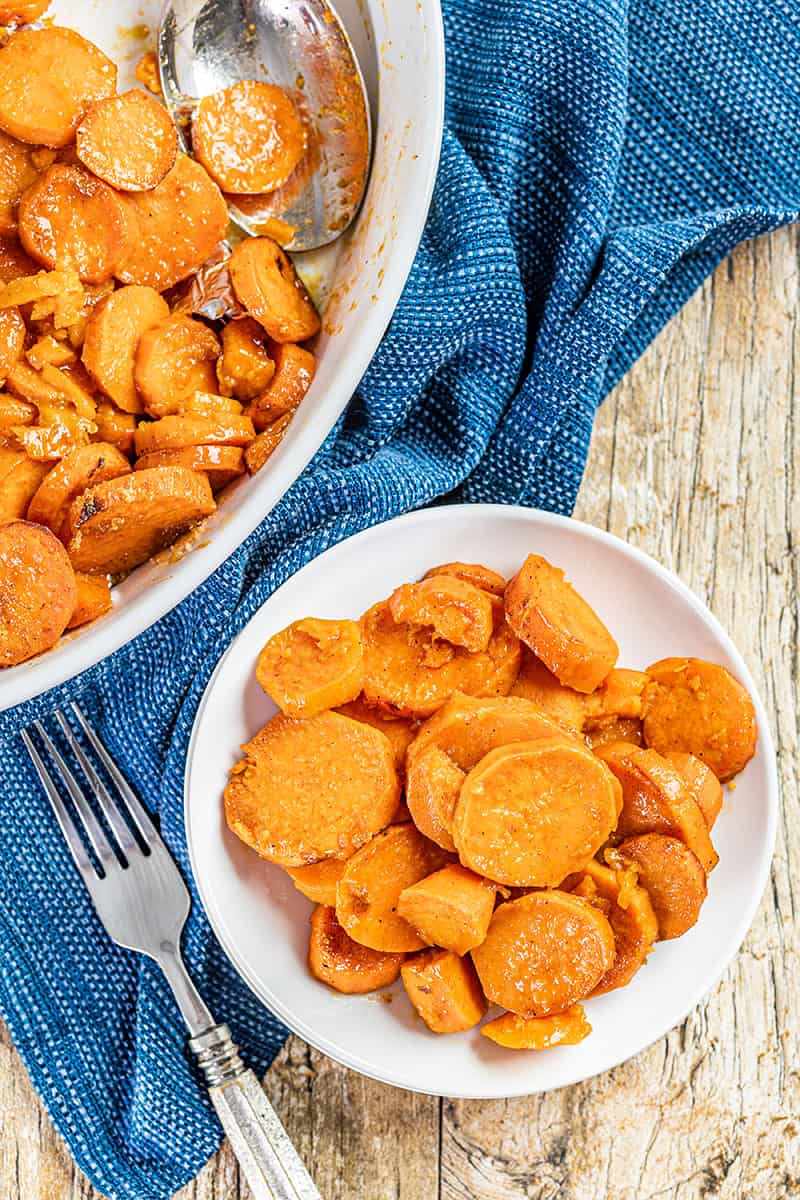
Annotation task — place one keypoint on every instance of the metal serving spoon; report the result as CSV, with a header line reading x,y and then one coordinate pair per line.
x,y
302,46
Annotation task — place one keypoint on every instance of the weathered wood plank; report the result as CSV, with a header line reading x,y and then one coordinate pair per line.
x,y
696,458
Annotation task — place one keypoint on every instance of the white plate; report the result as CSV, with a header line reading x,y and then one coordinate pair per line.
x,y
401,49
262,921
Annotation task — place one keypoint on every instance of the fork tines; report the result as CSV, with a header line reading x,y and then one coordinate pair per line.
x,y
115,844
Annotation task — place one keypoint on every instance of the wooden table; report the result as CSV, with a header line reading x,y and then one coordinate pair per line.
x,y
696,458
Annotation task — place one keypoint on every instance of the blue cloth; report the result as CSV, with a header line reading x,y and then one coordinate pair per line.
x,y
599,159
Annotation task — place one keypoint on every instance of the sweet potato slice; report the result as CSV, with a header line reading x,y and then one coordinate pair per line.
x,y
114,426
312,665
209,404
175,226
620,729
673,878
433,785
531,813
14,262
78,470
116,525
630,914
701,782
335,959
318,880
37,591
541,687
543,953
538,1033
451,908
112,337
368,892
314,789
619,697
559,626
15,412
655,799
20,476
94,600
444,990
265,444
294,369
69,219
248,137
267,285
129,141
48,78
699,708
48,351
23,11
12,339
17,172
399,730
221,464
245,368
174,359
173,432
474,573
457,611
412,672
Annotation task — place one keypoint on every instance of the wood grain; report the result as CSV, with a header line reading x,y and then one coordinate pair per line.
x,y
696,459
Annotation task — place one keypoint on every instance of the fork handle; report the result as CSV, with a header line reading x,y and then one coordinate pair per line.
x,y
271,1165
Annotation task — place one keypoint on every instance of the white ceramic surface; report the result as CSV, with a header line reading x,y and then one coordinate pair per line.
x,y
262,921
358,281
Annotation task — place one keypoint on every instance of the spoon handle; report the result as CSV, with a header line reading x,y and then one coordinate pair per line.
x,y
269,1161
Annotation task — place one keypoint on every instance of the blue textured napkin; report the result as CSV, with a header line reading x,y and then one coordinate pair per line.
x,y
600,158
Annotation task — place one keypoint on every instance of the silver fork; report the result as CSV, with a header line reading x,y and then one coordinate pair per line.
x,y
143,903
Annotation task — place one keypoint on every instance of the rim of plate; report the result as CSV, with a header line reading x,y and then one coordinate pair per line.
x,y
716,968
29,680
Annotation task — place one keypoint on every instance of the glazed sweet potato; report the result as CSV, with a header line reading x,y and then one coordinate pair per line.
x,y
451,908
538,1033
312,665
14,262
701,782
630,914
175,226
444,990
23,11
12,340
399,730
220,464
48,78
265,444
537,684
620,729
78,470
94,600
657,800
248,137
619,697
69,219
368,892
531,813
673,878
37,591
543,953
48,351
114,426
433,785
559,626
244,369
111,339
114,526
174,359
412,672
457,611
20,476
267,285
14,411
474,573
173,432
313,789
335,959
318,880
294,369
129,141
210,404
698,708
17,172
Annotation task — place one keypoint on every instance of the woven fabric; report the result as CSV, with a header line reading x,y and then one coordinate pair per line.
x,y
600,158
